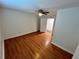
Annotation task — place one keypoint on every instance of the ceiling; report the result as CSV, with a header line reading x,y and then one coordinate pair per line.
x,y
32,5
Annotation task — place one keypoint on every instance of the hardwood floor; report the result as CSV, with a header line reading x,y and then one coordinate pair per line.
x,y
33,46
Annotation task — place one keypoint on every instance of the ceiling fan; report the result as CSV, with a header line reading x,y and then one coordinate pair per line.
x,y
42,12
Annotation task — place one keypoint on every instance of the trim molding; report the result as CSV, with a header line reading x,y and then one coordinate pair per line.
x,y
62,48
18,35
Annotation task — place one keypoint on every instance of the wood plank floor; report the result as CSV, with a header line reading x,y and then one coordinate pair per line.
x,y
33,46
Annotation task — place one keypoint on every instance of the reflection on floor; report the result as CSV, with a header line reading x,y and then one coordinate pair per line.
x,y
33,46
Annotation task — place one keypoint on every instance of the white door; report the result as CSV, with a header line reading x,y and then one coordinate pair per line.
x,y
76,55
50,23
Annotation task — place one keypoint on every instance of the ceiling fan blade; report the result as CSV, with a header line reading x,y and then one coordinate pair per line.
x,y
46,12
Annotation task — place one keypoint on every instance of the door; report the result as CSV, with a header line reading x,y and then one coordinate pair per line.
x,y
43,24
50,23
76,55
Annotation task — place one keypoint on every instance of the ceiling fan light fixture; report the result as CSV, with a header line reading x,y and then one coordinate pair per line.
x,y
40,14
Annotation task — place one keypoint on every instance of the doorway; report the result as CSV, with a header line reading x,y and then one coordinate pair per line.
x,y
50,24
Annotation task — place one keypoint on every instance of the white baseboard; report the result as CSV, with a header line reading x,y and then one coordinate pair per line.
x,y
16,35
62,48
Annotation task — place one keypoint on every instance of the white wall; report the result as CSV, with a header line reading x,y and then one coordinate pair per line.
x,y
0,45
1,41
0,34
66,31
16,23
43,24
